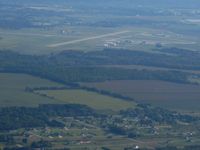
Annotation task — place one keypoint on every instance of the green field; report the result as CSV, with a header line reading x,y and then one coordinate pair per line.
x,y
169,95
91,99
165,94
12,90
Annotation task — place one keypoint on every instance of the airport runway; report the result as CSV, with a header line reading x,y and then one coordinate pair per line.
x,y
87,39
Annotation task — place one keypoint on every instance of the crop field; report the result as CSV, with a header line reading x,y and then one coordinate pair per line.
x,y
17,83
165,94
91,99
12,90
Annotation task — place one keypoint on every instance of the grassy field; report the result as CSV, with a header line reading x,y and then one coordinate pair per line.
x,y
91,99
12,90
168,95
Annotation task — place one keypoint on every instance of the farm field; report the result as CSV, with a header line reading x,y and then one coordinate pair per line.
x,y
159,93
92,99
12,90
17,83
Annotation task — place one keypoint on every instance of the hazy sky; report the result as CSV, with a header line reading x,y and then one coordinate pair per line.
x,y
128,3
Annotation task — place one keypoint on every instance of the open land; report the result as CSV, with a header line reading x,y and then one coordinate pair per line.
x,y
13,90
159,93
91,99
17,84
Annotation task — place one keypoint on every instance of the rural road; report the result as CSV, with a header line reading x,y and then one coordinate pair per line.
x,y
87,39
